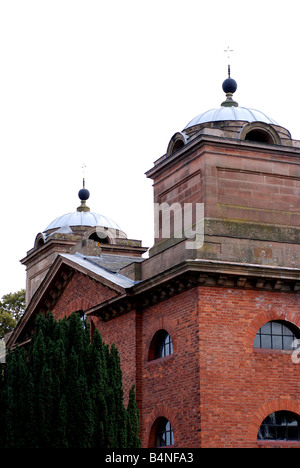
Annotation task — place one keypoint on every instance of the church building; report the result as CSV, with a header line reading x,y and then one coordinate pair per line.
x,y
207,325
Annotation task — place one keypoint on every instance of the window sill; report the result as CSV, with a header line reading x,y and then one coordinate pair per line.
x,y
160,360
272,351
278,443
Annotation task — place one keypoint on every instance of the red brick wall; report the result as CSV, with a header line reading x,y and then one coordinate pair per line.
x,y
240,387
83,293
167,387
80,294
215,375
215,389
121,331
171,384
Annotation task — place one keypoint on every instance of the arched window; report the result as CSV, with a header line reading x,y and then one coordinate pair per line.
x,y
177,145
164,434
260,136
82,317
276,335
282,425
161,345
261,133
103,238
40,242
177,141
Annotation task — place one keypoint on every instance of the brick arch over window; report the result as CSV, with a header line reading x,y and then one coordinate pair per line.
x,y
265,317
79,303
267,409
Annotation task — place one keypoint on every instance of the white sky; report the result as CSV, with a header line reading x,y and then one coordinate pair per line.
x,y
108,83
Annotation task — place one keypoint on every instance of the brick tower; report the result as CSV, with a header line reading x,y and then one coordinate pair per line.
x,y
207,325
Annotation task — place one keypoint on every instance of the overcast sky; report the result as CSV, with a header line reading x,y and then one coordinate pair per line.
x,y
108,83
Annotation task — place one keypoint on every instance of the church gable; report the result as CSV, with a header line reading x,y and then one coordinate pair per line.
x,y
81,294
72,284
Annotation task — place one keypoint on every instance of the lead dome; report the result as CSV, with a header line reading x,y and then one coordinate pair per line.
x,y
233,113
82,217
233,122
230,110
81,227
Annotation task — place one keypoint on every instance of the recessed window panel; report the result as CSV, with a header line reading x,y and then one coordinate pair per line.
x,y
164,346
164,434
161,345
281,425
276,335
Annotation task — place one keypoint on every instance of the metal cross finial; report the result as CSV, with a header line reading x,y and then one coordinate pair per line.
x,y
228,51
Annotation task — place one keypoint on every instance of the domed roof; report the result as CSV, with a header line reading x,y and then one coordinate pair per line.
x,y
82,218
230,110
231,113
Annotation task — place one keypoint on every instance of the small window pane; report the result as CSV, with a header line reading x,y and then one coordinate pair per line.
x,y
277,342
266,342
293,433
266,328
276,328
281,433
257,341
288,342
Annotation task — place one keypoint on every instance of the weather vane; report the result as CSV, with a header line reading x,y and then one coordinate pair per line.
x,y
228,51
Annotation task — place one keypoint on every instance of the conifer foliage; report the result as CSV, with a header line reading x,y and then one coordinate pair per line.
x,y
65,392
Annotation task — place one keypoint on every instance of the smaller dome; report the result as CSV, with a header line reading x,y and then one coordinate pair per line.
x,y
82,218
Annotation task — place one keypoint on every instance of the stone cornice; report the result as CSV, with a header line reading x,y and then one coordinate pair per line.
x,y
192,273
204,139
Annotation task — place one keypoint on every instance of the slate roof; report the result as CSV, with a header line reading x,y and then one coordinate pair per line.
x,y
106,265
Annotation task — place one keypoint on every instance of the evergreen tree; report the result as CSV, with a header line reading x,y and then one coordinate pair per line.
x,y
117,436
133,421
98,383
65,391
2,407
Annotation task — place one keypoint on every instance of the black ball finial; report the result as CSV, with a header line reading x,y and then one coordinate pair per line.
x,y
83,194
229,85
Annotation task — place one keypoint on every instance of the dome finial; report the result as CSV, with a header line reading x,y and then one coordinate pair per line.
x,y
229,85
83,194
